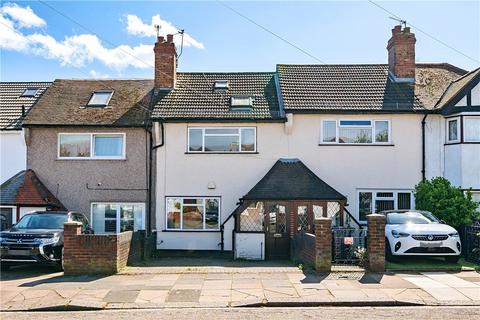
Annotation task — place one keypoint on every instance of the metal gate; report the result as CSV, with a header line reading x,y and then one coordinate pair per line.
x,y
345,243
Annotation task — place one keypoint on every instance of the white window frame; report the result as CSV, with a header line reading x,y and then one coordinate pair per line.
x,y
372,126
465,118
92,146
375,198
118,219
447,130
239,134
90,104
182,198
14,213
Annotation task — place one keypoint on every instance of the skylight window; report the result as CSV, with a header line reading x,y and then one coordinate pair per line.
x,y
241,103
100,98
221,85
29,92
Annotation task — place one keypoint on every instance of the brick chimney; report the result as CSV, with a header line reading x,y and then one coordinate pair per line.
x,y
165,63
401,54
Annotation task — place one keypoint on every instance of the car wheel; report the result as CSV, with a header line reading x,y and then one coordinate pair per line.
x,y
5,267
388,251
452,259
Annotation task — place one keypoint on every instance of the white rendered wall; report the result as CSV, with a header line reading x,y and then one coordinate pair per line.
x,y
470,166
13,153
434,146
250,246
346,168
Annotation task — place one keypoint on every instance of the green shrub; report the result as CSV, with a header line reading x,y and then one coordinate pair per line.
x,y
445,201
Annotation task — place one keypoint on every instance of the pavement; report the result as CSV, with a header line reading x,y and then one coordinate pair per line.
x,y
27,289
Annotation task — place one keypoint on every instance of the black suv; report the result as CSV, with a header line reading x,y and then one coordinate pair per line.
x,y
37,238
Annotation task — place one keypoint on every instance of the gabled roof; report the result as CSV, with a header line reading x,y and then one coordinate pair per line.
x,y
25,189
361,88
194,97
290,179
65,104
455,87
11,102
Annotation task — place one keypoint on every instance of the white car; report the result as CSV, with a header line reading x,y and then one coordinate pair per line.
x,y
420,233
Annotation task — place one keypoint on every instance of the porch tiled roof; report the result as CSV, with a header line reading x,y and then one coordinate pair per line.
x,y
11,102
290,179
25,188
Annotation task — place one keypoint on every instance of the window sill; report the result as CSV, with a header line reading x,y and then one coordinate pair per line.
x,y
91,159
221,153
465,142
357,144
198,231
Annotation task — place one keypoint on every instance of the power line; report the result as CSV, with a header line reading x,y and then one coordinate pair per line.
x,y
270,31
424,32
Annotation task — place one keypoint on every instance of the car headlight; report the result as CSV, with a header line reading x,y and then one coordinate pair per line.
x,y
397,234
454,234
45,241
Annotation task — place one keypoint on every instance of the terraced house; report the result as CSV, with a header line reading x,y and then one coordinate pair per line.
x,y
242,161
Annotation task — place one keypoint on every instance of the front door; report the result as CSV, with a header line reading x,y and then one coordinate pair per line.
x,y
277,240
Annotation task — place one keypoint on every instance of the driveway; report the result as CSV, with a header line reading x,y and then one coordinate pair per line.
x,y
213,286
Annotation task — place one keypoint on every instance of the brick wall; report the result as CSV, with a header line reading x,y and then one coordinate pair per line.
x,y
303,248
94,254
165,63
376,242
323,244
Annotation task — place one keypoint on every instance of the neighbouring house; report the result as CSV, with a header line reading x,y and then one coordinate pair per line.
x,y
89,141
356,130
23,193
453,139
16,100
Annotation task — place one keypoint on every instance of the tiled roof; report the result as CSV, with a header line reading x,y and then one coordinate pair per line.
x,y
455,87
290,179
25,189
65,103
194,98
11,102
359,88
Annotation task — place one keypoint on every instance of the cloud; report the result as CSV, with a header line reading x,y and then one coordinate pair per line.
x,y
23,17
137,27
98,75
77,50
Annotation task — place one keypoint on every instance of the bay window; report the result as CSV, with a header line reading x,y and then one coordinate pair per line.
x,y
91,146
453,130
355,132
224,140
472,129
117,217
192,213
374,201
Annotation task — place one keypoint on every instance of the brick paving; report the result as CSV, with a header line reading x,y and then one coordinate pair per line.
x,y
235,286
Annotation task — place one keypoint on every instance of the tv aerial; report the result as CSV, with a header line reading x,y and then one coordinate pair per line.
x,y
402,22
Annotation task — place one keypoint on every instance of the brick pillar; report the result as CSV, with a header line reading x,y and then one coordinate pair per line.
x,y
70,232
376,242
323,244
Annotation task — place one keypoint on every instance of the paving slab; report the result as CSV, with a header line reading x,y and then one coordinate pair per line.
x,y
121,296
184,295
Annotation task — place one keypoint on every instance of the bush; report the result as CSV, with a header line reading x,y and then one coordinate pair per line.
x,y
445,201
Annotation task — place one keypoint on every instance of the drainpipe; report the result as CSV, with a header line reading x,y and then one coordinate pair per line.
x,y
423,145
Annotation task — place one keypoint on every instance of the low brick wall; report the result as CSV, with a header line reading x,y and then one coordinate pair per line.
x,y
323,244
303,248
376,242
94,254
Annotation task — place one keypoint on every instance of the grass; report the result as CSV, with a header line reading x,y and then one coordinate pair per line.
x,y
429,264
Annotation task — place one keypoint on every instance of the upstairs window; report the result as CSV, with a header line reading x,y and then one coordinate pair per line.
x,y
453,132
356,132
222,140
100,98
472,129
91,146
29,92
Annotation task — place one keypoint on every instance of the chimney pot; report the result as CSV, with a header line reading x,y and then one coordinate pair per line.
x,y
169,38
161,39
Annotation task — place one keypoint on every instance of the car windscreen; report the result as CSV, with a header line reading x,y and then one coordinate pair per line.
x,y
42,221
414,217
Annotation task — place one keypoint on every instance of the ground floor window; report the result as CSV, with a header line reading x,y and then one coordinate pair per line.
x,y
192,213
117,217
7,217
370,201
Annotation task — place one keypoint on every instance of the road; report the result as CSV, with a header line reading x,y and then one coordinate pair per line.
x,y
357,313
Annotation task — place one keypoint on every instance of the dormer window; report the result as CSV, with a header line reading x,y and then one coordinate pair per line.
x,y
29,92
221,85
100,98
241,103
